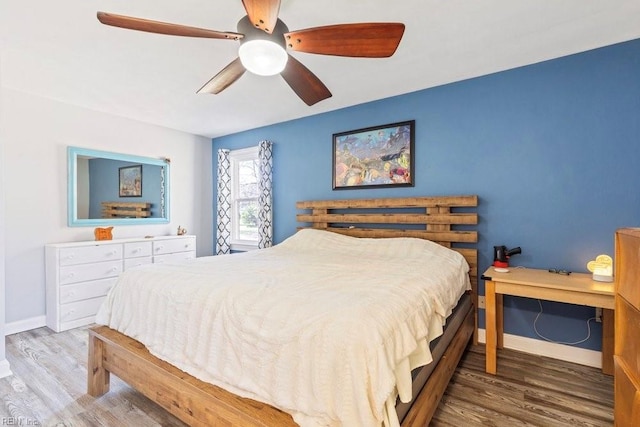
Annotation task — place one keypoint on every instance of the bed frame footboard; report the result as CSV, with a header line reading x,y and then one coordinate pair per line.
x,y
202,404
193,401
98,378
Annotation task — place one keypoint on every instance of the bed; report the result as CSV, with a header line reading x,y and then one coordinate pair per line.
x,y
240,358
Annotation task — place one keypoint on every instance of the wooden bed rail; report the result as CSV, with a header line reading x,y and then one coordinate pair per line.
x,y
193,401
393,202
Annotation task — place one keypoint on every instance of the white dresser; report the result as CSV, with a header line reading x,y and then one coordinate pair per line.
x,y
79,274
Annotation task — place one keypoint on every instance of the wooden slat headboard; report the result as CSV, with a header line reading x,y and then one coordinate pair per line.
x,y
447,220
430,218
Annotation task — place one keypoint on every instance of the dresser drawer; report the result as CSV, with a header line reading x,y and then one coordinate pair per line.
x,y
628,265
175,257
626,396
137,249
136,262
86,290
627,325
88,254
80,309
95,271
168,246
80,274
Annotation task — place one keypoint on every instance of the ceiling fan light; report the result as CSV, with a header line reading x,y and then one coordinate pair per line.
x,y
263,57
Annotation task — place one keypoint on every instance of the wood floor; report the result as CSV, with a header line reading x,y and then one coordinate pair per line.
x,y
528,391
49,388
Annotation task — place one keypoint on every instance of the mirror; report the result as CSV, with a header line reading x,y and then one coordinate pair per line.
x,y
116,189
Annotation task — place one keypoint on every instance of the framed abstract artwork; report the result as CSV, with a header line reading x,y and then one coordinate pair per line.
x,y
130,181
378,156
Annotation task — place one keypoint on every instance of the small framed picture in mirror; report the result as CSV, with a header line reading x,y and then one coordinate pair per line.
x,y
131,181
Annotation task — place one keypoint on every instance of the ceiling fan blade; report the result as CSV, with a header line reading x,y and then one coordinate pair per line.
x,y
304,83
368,40
149,26
224,78
263,14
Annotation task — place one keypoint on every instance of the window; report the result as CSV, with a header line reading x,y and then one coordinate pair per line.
x,y
245,175
244,219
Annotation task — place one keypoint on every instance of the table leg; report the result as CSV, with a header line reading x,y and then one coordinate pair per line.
x,y
499,321
490,326
607,341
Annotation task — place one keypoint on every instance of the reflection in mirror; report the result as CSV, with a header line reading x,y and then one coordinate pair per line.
x,y
116,189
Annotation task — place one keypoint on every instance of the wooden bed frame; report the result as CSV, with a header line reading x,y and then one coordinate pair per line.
x,y
202,404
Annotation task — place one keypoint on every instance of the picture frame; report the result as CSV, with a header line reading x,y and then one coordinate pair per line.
x,y
130,181
374,157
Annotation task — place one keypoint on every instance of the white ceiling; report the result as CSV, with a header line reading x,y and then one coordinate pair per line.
x,y
58,50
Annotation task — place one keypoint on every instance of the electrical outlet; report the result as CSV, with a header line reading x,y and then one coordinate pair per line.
x,y
598,314
481,301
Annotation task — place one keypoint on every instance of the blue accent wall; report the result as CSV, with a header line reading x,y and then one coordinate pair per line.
x,y
552,150
104,185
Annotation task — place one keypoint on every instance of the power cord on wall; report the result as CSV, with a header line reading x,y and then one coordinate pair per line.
x,y
561,342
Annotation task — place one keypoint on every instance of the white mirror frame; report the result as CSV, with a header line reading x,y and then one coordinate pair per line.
x,y
72,188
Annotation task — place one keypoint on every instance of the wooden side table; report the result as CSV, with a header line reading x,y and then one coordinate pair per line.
x,y
576,288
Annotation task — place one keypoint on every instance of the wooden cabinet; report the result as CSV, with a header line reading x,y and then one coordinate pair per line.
x,y
627,319
79,274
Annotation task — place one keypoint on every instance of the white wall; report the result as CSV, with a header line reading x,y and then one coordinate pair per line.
x,y
4,365
82,187
36,135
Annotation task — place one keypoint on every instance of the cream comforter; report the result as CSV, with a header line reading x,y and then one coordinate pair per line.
x,y
323,326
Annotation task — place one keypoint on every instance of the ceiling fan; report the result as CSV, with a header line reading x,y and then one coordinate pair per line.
x,y
264,39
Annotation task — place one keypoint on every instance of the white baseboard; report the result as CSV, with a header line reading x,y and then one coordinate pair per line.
x,y
25,325
567,353
5,369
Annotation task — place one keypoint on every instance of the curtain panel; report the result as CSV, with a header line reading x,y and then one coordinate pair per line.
x,y
223,237
265,197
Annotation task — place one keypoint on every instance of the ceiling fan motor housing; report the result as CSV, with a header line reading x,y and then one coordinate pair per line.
x,y
262,53
252,33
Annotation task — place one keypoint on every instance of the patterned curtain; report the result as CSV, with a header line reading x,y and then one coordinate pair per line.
x,y
265,197
223,240
163,208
